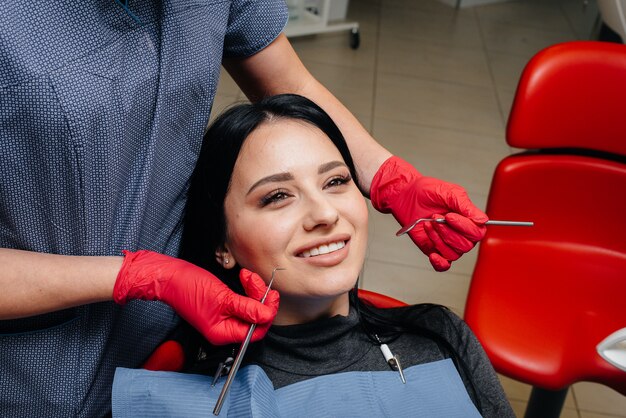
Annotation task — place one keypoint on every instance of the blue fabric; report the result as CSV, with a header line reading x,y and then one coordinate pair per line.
x,y
432,390
101,121
143,393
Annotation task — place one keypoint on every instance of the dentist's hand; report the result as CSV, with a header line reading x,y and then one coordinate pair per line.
x,y
400,189
221,315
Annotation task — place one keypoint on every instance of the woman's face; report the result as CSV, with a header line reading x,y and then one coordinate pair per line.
x,y
292,204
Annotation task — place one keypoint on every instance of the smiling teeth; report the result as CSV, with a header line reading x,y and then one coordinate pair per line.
x,y
324,249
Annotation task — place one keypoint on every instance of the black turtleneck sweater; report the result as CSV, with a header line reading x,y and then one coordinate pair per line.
x,y
290,354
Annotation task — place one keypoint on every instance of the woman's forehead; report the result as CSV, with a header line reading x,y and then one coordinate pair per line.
x,y
284,143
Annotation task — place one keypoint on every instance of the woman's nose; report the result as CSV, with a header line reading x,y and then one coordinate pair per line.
x,y
320,213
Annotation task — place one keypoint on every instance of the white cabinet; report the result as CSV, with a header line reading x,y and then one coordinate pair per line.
x,y
313,17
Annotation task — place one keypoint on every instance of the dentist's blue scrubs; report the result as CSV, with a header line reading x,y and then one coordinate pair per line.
x,y
102,111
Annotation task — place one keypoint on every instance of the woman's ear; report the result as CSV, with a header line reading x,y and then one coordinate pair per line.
x,y
225,258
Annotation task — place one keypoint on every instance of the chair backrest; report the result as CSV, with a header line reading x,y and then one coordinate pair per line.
x,y
542,298
379,300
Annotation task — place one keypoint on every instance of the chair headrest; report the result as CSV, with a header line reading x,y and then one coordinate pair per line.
x,y
572,95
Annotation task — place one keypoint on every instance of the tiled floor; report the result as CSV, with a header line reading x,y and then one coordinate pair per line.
x,y
434,85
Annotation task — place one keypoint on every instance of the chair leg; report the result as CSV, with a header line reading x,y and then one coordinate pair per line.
x,y
545,403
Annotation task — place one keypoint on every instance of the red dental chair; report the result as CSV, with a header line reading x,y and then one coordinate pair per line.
x,y
170,355
542,298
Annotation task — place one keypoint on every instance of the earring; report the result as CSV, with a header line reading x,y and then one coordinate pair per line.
x,y
226,261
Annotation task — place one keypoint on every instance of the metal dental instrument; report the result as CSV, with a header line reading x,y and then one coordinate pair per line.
x,y
407,228
224,365
392,361
242,351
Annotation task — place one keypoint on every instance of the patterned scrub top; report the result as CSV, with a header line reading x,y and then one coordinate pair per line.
x,y
102,110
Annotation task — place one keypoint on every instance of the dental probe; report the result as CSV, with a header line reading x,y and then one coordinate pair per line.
x,y
406,229
392,361
242,351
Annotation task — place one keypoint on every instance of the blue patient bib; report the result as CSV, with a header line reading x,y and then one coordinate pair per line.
x,y
431,390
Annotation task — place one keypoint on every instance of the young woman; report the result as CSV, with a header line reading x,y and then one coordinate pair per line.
x,y
275,187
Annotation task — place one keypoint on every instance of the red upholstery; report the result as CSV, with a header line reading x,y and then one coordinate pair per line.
x,y
572,95
379,300
170,356
542,298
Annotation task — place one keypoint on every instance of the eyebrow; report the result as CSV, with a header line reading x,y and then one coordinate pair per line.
x,y
329,166
275,178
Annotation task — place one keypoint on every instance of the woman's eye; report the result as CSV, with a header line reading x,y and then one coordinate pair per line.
x,y
274,197
338,181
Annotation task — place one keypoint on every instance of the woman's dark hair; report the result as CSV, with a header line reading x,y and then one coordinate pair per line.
x,y
205,224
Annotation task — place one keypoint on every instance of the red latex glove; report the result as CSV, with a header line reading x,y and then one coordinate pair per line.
x,y
400,189
221,315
